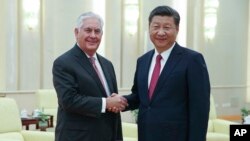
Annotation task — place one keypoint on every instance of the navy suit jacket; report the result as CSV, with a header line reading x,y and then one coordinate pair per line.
x,y
179,107
80,93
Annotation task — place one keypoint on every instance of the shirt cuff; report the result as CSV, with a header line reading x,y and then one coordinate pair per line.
x,y
103,105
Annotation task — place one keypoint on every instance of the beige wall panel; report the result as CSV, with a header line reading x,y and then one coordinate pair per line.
x,y
9,44
29,51
59,20
2,45
113,35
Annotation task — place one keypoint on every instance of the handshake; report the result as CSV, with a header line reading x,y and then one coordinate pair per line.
x,y
116,103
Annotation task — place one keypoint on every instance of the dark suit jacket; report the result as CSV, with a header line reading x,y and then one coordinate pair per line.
x,y
179,108
79,92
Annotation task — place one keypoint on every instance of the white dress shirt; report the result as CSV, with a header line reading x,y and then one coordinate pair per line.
x,y
98,65
165,56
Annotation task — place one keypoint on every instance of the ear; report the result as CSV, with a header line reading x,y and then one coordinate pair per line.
x,y
76,32
177,28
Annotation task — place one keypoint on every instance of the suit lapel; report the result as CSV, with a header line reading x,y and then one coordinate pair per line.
x,y
86,65
174,58
106,72
144,75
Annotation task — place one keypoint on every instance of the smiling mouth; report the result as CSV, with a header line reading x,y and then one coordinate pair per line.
x,y
161,39
92,42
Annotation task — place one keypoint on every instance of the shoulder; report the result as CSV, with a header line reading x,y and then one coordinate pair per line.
x,y
66,56
192,57
147,55
186,52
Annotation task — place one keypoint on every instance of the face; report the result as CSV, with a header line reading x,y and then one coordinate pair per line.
x,y
89,35
163,32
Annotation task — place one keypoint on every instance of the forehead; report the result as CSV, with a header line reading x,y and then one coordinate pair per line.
x,y
163,20
91,22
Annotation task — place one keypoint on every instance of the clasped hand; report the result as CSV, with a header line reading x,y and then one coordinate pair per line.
x,y
116,103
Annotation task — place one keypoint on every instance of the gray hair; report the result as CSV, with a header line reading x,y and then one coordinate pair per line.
x,y
87,15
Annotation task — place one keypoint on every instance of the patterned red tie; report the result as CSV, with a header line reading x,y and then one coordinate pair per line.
x,y
155,76
92,60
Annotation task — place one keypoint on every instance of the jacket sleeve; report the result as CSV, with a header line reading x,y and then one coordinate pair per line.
x,y
67,89
199,98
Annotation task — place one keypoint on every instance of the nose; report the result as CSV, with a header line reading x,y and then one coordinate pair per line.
x,y
161,32
92,34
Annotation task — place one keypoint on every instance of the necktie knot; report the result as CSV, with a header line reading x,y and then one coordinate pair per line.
x,y
158,58
92,59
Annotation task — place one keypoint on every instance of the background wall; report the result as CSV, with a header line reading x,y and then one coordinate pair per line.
x,y
226,53
27,54
2,49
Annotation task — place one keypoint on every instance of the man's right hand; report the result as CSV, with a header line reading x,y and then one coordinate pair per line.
x,y
116,103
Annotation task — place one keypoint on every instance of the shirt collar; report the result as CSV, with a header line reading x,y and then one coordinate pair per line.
x,y
95,56
165,54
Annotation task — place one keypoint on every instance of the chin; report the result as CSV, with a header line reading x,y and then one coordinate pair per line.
x,y
161,45
92,47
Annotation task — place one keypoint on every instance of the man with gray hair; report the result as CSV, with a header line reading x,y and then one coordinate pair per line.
x,y
84,82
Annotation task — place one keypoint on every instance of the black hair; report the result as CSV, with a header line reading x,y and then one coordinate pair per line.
x,y
165,11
